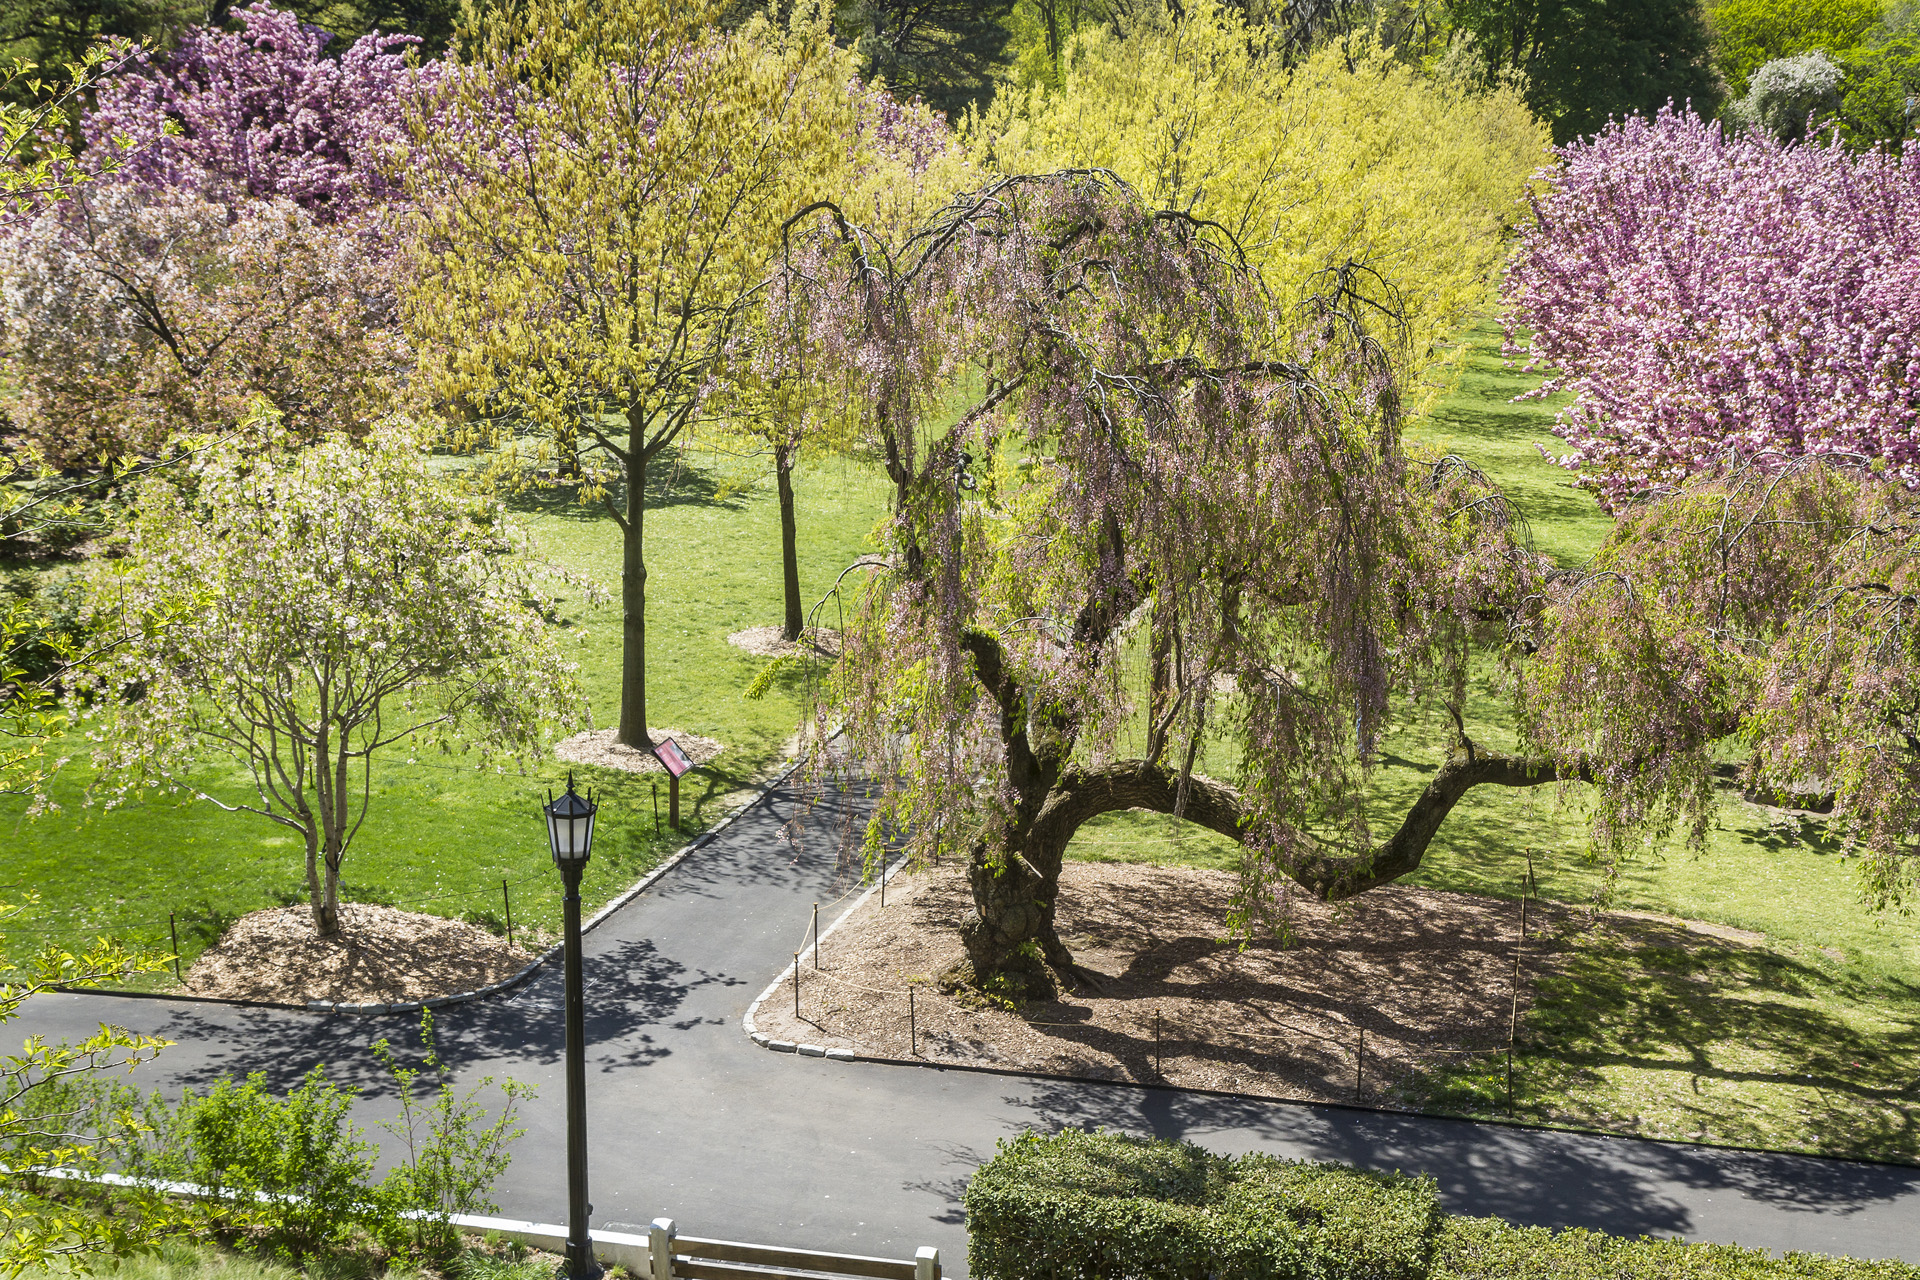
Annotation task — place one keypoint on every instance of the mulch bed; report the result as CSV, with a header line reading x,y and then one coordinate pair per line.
x,y
1423,974
765,642
381,956
602,747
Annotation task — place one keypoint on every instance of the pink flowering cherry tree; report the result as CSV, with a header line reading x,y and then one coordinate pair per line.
x,y
1706,295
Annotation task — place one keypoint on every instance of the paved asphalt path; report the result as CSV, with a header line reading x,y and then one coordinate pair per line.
x,y
689,1119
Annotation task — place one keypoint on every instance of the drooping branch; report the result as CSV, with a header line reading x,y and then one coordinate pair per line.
x,y
1082,794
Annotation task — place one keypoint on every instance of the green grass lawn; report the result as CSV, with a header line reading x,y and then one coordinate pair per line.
x,y
1748,1045
443,834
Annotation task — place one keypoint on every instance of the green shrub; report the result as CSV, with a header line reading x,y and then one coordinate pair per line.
x,y
294,1170
295,1173
1100,1206
1489,1249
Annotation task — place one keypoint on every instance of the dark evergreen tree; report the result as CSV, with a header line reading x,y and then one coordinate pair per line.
x,y
53,33
431,20
945,51
1587,61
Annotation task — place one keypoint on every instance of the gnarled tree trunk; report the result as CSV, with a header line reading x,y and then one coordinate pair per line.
x,y
1013,948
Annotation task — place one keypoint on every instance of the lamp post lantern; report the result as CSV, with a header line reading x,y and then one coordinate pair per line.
x,y
570,835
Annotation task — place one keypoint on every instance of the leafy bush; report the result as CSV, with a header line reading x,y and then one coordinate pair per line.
x,y
1489,1249
294,1170
1788,92
451,1157
1091,1206
296,1174
1101,1206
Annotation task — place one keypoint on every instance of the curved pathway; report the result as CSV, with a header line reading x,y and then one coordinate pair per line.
x,y
690,1120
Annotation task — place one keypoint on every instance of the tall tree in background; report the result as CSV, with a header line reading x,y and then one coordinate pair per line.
x,y
1748,34
1350,155
786,398
601,198
945,51
1589,61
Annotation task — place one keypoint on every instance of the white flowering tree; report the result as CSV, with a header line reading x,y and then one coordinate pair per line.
x,y
299,611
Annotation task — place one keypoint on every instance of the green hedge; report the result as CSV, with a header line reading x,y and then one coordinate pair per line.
x,y
1489,1249
1101,1206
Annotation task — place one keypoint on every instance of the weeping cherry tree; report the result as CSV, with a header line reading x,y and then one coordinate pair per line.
x,y
1145,464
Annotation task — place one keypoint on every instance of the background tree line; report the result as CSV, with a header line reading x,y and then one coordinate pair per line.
x,y
1579,63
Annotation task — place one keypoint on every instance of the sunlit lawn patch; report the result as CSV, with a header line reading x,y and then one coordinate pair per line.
x,y
442,834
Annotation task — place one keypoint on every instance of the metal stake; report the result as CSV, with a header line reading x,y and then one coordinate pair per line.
x,y
796,984
508,899
655,784
913,1034
1158,1071
1360,1068
174,931
1513,1026
816,935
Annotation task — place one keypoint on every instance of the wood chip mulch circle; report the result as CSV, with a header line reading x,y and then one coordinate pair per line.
x,y
382,955
765,642
602,747
1426,975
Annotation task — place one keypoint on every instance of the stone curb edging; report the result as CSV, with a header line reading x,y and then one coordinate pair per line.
x,y
761,791
1264,1099
813,1050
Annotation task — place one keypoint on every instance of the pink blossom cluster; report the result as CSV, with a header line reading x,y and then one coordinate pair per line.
x,y
263,109
909,132
1708,295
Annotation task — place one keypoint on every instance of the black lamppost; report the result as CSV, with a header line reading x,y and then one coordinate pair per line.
x,y
570,832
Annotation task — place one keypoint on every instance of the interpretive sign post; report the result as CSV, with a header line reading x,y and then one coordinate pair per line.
x,y
675,762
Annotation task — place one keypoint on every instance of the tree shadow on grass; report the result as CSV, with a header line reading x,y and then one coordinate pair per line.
x,y
1735,1043
671,482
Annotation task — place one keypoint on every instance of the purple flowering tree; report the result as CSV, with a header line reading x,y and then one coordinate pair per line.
x,y
263,111
241,247
1706,294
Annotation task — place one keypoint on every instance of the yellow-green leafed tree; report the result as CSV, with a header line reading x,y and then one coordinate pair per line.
x,y
909,163
1347,156
603,192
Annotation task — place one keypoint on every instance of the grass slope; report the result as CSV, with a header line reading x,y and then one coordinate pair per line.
x,y
443,834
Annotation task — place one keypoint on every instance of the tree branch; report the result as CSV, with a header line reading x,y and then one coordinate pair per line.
x,y
1084,793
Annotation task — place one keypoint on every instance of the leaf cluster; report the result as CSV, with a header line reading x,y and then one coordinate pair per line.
x,y
1769,603
48,1119
1349,155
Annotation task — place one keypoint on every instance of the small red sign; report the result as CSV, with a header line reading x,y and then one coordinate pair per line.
x,y
669,754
